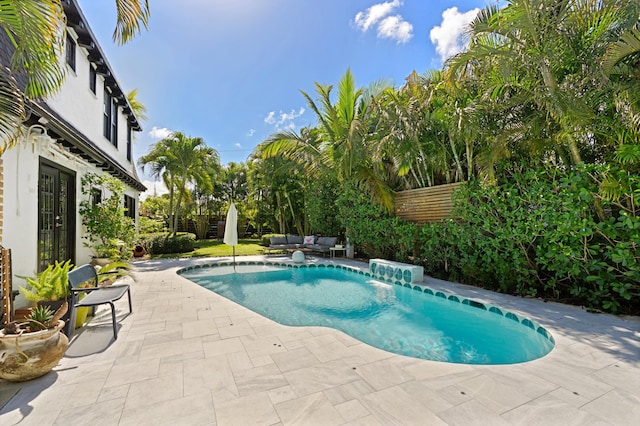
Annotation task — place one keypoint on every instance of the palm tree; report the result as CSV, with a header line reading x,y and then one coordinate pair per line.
x,y
180,160
340,142
37,31
138,108
540,60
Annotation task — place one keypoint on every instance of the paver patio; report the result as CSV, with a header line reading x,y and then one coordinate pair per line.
x,y
187,356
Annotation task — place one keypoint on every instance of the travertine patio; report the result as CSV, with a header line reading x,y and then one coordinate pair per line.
x,y
187,356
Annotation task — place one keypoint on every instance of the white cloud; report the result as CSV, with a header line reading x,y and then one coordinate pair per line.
x,y
447,36
251,132
388,26
284,120
270,118
237,145
159,132
394,27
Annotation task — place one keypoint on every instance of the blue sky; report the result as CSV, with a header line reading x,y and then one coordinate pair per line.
x,y
231,71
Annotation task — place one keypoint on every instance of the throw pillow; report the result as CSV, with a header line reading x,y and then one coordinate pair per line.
x,y
309,240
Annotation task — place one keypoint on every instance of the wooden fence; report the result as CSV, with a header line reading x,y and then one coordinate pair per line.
x,y
425,204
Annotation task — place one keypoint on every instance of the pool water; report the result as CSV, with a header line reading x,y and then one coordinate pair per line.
x,y
388,316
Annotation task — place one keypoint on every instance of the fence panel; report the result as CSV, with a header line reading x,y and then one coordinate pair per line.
x,y
425,204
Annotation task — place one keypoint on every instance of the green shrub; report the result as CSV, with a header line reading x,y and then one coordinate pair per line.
x,y
165,243
546,233
147,225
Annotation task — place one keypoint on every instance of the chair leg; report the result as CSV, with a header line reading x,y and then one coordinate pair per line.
x,y
72,321
129,295
113,318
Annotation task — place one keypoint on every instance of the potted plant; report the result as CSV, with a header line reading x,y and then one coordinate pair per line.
x,y
50,287
31,348
110,272
109,232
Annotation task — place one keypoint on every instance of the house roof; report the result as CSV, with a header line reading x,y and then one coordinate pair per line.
x,y
87,40
77,143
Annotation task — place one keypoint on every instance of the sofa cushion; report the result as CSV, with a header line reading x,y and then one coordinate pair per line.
x,y
277,240
294,239
310,239
327,241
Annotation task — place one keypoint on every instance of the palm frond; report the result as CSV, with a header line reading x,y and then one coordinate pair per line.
x,y
132,16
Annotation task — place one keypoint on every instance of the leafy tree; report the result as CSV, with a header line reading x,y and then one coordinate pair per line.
x,y
180,160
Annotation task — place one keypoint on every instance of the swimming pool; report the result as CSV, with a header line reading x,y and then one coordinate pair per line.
x,y
412,321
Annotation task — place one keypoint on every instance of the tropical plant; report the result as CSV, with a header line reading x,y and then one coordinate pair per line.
x,y
51,284
108,230
36,29
181,160
341,142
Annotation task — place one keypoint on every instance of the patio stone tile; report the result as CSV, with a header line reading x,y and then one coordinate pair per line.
x,y
622,375
261,361
492,394
115,392
239,361
239,328
472,413
175,347
383,374
222,347
259,379
349,391
395,406
305,381
617,407
548,410
189,410
352,410
198,328
131,373
310,409
152,391
570,379
209,375
329,351
364,421
428,398
103,413
294,359
282,394
247,410
258,346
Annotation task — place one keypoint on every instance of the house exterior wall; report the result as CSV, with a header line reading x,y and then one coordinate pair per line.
x,y
81,112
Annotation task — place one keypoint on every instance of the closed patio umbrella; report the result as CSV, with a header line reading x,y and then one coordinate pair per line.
x,y
231,230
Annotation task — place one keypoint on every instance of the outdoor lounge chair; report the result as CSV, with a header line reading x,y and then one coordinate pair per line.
x,y
95,295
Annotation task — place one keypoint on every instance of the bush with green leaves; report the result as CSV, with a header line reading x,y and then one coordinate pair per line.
x,y
166,243
109,231
546,233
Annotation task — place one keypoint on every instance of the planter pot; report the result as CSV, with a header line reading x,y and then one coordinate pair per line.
x,y
139,251
54,305
43,350
100,261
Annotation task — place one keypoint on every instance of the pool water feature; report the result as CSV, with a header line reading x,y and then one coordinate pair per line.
x,y
409,320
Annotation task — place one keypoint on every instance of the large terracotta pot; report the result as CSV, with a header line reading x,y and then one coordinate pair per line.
x,y
43,350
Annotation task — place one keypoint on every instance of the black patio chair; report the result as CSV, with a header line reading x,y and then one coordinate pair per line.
x,y
94,295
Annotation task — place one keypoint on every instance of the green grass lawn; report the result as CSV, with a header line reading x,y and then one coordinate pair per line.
x,y
213,248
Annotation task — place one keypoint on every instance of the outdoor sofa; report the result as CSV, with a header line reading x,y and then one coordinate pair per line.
x,y
309,244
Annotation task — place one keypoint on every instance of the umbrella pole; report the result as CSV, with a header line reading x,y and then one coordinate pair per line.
x,y
234,258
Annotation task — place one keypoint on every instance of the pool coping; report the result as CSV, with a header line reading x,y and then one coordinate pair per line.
x,y
423,288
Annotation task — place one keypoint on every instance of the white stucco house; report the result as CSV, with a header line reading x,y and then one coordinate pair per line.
x,y
85,128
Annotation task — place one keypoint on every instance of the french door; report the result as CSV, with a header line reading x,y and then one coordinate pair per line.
x,y
56,217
